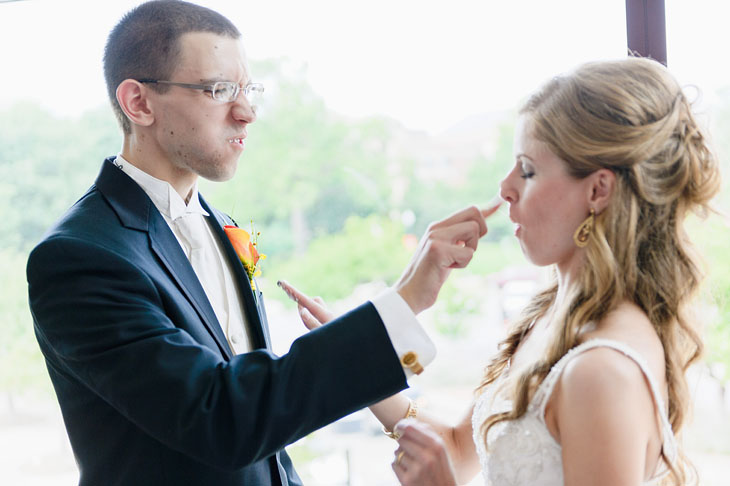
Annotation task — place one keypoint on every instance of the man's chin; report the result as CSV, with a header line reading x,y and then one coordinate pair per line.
x,y
221,174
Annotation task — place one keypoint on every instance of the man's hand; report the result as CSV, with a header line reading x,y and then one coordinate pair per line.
x,y
312,310
446,245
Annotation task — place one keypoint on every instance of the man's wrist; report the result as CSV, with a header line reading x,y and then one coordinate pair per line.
x,y
408,299
410,341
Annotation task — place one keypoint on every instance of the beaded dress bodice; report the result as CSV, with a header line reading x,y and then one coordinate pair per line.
x,y
522,452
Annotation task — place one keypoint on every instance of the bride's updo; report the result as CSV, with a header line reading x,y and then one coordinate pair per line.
x,y
629,116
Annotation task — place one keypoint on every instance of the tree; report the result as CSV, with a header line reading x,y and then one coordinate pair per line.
x,y
47,163
305,165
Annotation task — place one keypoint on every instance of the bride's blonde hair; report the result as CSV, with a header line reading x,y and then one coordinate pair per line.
x,y
629,116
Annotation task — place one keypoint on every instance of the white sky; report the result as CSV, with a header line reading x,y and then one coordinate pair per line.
x,y
426,63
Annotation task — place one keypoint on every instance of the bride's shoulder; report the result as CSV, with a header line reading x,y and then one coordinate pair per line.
x,y
591,381
629,326
618,354
599,373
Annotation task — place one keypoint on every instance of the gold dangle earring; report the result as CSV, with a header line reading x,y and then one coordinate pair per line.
x,y
583,233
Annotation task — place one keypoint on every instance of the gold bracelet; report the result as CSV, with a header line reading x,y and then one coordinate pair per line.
x,y
412,412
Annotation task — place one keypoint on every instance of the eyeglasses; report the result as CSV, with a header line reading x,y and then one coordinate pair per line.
x,y
225,91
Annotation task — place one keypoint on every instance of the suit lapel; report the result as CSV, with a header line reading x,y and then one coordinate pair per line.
x,y
167,248
136,211
250,304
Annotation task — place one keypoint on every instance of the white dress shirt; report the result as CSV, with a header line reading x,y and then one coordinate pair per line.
x,y
408,338
215,273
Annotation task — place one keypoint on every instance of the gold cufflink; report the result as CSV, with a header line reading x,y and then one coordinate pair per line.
x,y
410,361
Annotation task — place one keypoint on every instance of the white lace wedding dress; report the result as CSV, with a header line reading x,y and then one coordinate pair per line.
x,y
522,452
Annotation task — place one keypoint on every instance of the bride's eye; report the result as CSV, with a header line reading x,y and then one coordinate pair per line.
x,y
525,172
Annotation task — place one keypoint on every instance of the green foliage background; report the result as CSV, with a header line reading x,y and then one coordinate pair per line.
x,y
321,189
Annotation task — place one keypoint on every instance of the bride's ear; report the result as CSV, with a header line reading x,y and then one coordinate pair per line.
x,y
601,187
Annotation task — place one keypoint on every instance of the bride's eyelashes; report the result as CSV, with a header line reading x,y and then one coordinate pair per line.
x,y
527,175
526,171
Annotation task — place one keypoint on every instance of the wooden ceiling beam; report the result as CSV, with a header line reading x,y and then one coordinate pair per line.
x,y
646,29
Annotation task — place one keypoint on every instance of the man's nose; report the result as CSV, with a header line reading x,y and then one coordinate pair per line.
x,y
242,110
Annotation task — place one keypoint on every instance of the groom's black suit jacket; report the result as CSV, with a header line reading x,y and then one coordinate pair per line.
x,y
150,391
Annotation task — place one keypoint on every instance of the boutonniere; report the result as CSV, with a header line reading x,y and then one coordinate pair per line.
x,y
245,248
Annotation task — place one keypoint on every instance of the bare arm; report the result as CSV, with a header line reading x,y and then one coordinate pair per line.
x,y
606,418
447,244
456,440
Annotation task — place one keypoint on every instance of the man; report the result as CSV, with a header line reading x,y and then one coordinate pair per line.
x,y
154,340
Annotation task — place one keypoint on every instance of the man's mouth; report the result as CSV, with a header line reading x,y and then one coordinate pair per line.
x,y
237,141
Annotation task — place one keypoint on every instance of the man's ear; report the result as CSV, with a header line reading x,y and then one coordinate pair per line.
x,y
602,184
132,98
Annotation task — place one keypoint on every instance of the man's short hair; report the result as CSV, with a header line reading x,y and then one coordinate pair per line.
x,y
145,43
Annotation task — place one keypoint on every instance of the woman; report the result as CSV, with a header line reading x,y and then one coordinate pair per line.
x,y
588,388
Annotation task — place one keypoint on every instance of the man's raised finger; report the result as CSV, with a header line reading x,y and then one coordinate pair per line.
x,y
472,213
491,208
302,299
467,232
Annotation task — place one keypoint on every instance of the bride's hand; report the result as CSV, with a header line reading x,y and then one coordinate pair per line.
x,y
421,458
312,310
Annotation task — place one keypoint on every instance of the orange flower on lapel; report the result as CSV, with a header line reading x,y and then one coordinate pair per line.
x,y
246,250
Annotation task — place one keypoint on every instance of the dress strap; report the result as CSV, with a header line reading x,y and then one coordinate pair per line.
x,y
545,390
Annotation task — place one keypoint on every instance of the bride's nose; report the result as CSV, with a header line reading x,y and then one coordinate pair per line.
x,y
507,190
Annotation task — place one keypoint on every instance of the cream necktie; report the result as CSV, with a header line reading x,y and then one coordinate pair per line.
x,y
196,240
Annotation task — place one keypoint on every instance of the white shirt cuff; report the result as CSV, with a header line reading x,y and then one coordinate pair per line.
x,y
411,343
